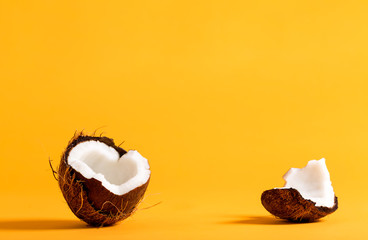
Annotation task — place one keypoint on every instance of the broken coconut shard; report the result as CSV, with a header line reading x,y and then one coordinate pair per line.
x,y
306,196
101,182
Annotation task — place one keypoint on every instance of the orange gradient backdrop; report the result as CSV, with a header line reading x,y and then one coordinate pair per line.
x,y
222,97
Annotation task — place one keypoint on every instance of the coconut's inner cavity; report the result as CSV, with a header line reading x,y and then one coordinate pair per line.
x,y
313,182
94,159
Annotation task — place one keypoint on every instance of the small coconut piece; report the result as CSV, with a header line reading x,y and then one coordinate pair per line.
x,y
306,196
101,182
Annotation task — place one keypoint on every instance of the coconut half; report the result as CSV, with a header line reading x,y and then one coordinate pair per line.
x,y
102,183
306,196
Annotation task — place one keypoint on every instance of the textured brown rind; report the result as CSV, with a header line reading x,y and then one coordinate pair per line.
x,y
289,204
87,198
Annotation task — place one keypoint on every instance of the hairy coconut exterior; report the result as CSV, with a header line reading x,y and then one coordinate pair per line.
x,y
289,204
87,198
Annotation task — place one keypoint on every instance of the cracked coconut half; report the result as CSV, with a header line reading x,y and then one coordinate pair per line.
x,y
306,196
101,182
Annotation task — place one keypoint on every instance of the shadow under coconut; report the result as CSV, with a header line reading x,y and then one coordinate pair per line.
x,y
41,224
261,220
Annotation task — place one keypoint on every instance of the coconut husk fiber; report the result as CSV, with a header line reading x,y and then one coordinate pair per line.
x,y
289,204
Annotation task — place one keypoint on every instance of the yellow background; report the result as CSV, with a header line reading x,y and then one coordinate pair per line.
x,y
222,97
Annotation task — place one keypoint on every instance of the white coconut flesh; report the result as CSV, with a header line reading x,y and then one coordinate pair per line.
x,y
120,175
313,183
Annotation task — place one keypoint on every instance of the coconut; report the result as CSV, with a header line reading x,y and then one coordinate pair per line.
x,y
306,196
101,182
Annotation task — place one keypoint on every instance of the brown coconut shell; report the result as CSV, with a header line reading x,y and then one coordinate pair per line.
x,y
87,198
289,204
